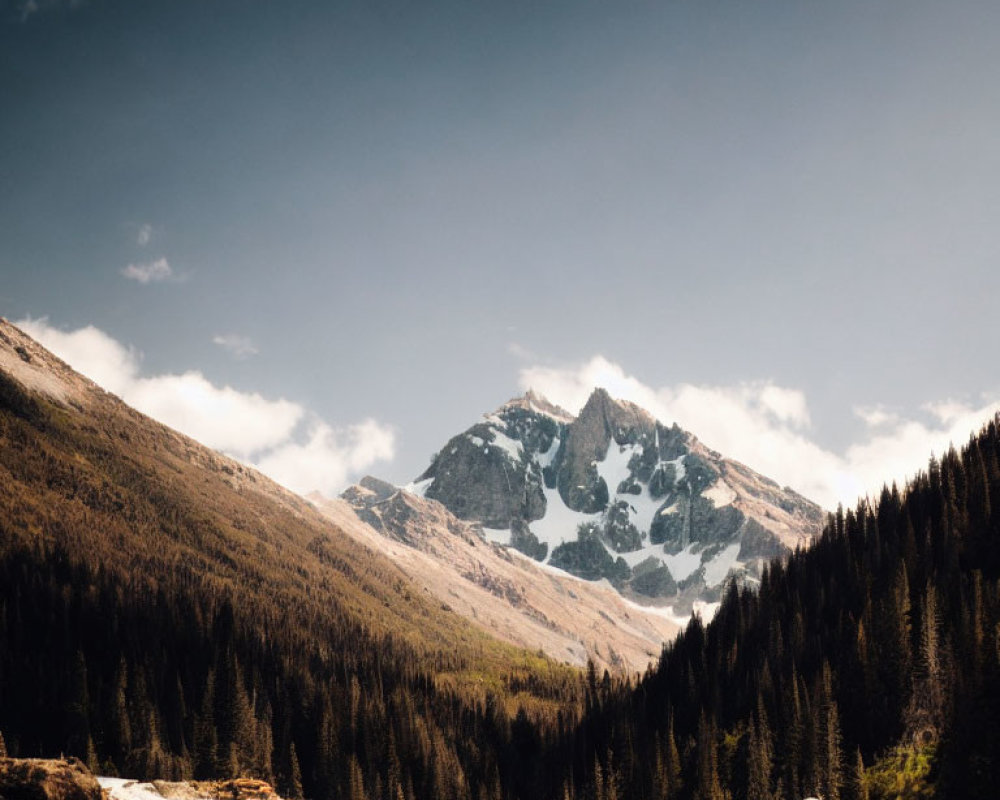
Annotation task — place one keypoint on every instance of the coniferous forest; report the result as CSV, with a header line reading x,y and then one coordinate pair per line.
x,y
865,667
154,626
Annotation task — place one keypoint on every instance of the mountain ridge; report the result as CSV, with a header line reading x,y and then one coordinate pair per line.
x,y
613,493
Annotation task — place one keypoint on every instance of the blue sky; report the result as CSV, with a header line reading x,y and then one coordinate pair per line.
x,y
363,224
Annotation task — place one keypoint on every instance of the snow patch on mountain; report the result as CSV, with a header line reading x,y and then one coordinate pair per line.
x,y
511,447
419,488
560,523
719,567
720,493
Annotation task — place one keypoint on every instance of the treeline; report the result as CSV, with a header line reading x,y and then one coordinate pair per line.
x,y
865,667
173,684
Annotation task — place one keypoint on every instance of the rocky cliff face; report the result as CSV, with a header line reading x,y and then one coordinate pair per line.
x,y
615,494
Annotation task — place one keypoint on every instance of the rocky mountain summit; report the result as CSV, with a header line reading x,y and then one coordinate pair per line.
x,y
613,493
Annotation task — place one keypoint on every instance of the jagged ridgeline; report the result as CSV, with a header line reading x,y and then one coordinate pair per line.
x,y
168,612
865,667
615,494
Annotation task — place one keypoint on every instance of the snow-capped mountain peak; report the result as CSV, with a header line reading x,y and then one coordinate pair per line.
x,y
612,493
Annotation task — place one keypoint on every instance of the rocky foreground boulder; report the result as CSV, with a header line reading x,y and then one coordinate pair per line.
x,y
47,779
69,779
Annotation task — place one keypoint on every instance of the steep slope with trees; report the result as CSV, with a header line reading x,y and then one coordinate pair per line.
x,y
168,612
865,667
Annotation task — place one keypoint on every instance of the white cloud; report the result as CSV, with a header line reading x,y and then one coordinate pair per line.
x,y
144,235
240,346
765,426
332,455
240,423
265,433
89,351
151,272
876,416
521,352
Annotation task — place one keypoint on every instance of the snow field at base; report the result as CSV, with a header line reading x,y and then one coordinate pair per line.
x,y
704,610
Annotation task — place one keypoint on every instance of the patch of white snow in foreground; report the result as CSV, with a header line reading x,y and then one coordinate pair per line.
x,y
128,789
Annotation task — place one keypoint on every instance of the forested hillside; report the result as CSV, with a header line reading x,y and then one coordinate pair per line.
x,y
867,666
167,612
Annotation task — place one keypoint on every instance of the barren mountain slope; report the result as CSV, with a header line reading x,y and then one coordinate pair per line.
x,y
506,593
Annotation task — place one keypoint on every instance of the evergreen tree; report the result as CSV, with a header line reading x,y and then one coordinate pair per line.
x,y
293,790
828,745
206,744
119,729
759,760
672,761
856,786
77,710
707,786
356,783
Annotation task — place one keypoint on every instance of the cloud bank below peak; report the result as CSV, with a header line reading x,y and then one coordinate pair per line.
x,y
280,437
767,427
